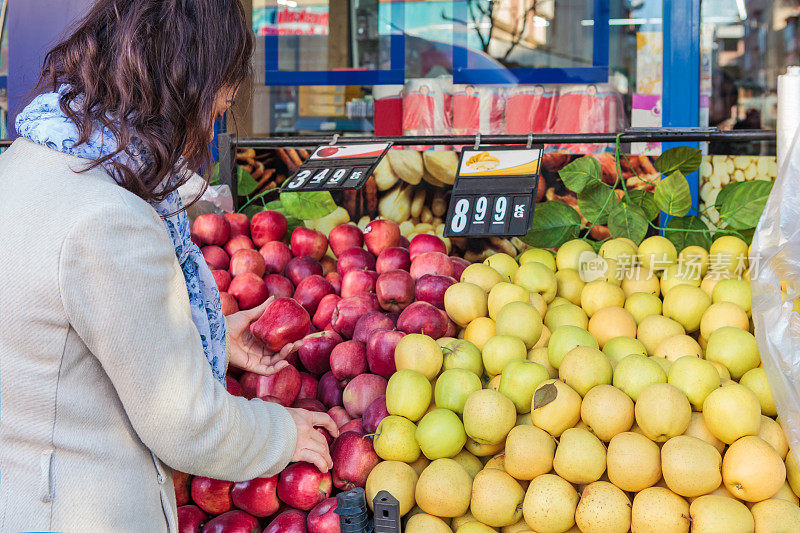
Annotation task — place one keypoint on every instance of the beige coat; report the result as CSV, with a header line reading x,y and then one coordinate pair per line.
x,y
101,367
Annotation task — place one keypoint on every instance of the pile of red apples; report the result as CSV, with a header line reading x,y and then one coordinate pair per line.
x,y
349,314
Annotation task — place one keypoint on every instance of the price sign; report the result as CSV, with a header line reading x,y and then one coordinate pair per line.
x,y
337,167
494,192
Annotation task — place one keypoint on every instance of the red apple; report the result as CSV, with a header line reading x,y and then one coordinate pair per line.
x,y
403,242
212,229
431,289
393,259
284,321
459,264
278,286
353,459
240,242
222,278
283,385
309,404
323,517
247,260
335,280
240,224
380,351
257,496
308,242
195,239
308,386
371,322
329,390
249,290
424,318
290,521
353,425
339,415
315,352
276,256
435,263
235,521
311,290
233,386
452,329
322,317
215,257
361,391
212,495
303,486
182,483
328,265
373,414
380,235
348,360
191,519
344,237
395,290
355,259
357,282
299,268
425,242
268,226
229,304
349,310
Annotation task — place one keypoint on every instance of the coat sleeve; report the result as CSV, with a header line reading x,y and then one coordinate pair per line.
x,y
126,297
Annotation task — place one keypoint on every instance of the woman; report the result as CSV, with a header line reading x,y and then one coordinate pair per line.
x,y
112,334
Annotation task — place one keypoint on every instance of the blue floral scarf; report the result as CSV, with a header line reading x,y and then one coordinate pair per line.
x,y
44,123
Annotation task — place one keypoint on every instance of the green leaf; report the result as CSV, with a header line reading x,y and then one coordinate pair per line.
x,y
742,207
580,173
245,182
554,223
672,195
595,202
308,205
544,395
628,221
646,200
675,231
213,179
682,159
274,205
724,192
252,209
596,245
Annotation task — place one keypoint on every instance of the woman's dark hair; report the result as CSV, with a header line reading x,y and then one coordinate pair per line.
x,y
150,70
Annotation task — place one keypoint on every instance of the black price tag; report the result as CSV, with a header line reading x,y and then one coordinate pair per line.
x,y
338,167
494,192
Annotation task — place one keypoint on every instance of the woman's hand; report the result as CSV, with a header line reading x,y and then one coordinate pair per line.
x,y
249,354
311,445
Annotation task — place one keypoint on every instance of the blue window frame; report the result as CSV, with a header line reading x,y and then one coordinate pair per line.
x,y
597,73
395,75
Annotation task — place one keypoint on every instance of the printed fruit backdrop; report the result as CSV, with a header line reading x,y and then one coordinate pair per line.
x,y
593,387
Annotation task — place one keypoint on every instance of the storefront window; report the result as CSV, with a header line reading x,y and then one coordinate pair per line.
x,y
467,66
748,45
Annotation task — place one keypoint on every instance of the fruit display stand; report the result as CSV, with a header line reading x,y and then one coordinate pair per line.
x,y
554,381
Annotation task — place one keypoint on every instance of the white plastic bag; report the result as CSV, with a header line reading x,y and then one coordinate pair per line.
x,y
775,259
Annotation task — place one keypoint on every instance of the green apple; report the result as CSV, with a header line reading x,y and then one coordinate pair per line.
x,y
501,349
462,354
454,387
565,314
642,305
395,440
521,320
408,394
620,347
635,372
440,434
518,381
564,339
536,277
695,377
538,255
488,416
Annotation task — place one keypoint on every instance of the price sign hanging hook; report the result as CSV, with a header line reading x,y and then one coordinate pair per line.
x,y
477,140
335,138
530,141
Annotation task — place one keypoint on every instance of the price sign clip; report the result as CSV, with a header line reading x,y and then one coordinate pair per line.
x,y
494,191
338,167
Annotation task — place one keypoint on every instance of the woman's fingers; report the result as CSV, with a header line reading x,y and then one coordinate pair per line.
x,y
316,459
324,420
